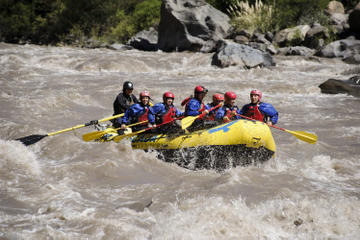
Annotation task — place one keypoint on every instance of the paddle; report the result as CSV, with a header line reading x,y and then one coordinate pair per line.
x,y
98,134
304,136
187,121
120,137
28,140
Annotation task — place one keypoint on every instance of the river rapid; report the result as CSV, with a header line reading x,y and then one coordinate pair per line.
x,y
64,188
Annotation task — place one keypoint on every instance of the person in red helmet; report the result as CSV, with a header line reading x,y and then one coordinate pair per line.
x,y
258,110
195,106
138,112
165,112
217,99
229,111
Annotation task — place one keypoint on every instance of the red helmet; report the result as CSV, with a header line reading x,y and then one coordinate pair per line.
x,y
167,95
256,92
218,97
200,89
230,95
144,94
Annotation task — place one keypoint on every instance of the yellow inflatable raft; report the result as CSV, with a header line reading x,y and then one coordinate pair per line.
x,y
239,142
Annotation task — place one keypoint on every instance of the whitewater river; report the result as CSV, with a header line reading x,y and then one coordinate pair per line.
x,y
65,188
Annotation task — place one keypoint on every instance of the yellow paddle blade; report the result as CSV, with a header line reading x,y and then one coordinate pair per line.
x,y
96,135
187,121
304,136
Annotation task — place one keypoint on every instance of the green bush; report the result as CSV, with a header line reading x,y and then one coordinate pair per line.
x,y
146,14
287,13
256,17
123,30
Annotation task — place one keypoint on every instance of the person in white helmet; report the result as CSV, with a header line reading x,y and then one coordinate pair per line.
x,y
258,110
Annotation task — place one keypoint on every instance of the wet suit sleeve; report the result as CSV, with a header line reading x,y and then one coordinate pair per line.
x,y
269,111
192,108
132,113
220,114
178,113
156,109
243,110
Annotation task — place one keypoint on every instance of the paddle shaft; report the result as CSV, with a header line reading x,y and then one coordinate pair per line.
x,y
304,136
28,140
93,122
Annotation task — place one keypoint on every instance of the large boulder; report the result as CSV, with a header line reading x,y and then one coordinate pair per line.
x,y
145,40
335,7
347,49
334,86
316,37
354,20
291,36
234,54
191,25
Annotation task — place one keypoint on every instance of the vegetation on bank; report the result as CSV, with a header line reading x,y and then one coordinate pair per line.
x,y
76,21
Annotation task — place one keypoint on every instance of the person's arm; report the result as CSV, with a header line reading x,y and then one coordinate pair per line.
x,y
178,113
220,114
243,110
153,111
270,111
128,114
193,108
237,112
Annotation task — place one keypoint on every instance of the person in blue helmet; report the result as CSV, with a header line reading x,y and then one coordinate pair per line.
x,y
165,112
229,111
123,101
195,106
137,112
258,110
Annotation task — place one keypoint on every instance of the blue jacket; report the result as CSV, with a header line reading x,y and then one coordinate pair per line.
x,y
160,109
266,109
132,113
192,108
222,112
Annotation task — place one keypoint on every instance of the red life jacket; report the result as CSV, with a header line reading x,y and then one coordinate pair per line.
x,y
254,113
169,115
144,116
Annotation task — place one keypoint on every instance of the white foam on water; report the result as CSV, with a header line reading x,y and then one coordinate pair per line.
x,y
16,158
291,218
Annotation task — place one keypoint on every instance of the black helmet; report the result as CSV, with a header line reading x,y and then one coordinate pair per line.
x,y
128,85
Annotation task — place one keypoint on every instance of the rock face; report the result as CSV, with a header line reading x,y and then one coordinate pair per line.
x,y
191,25
335,7
347,49
289,36
145,40
354,20
334,86
234,54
